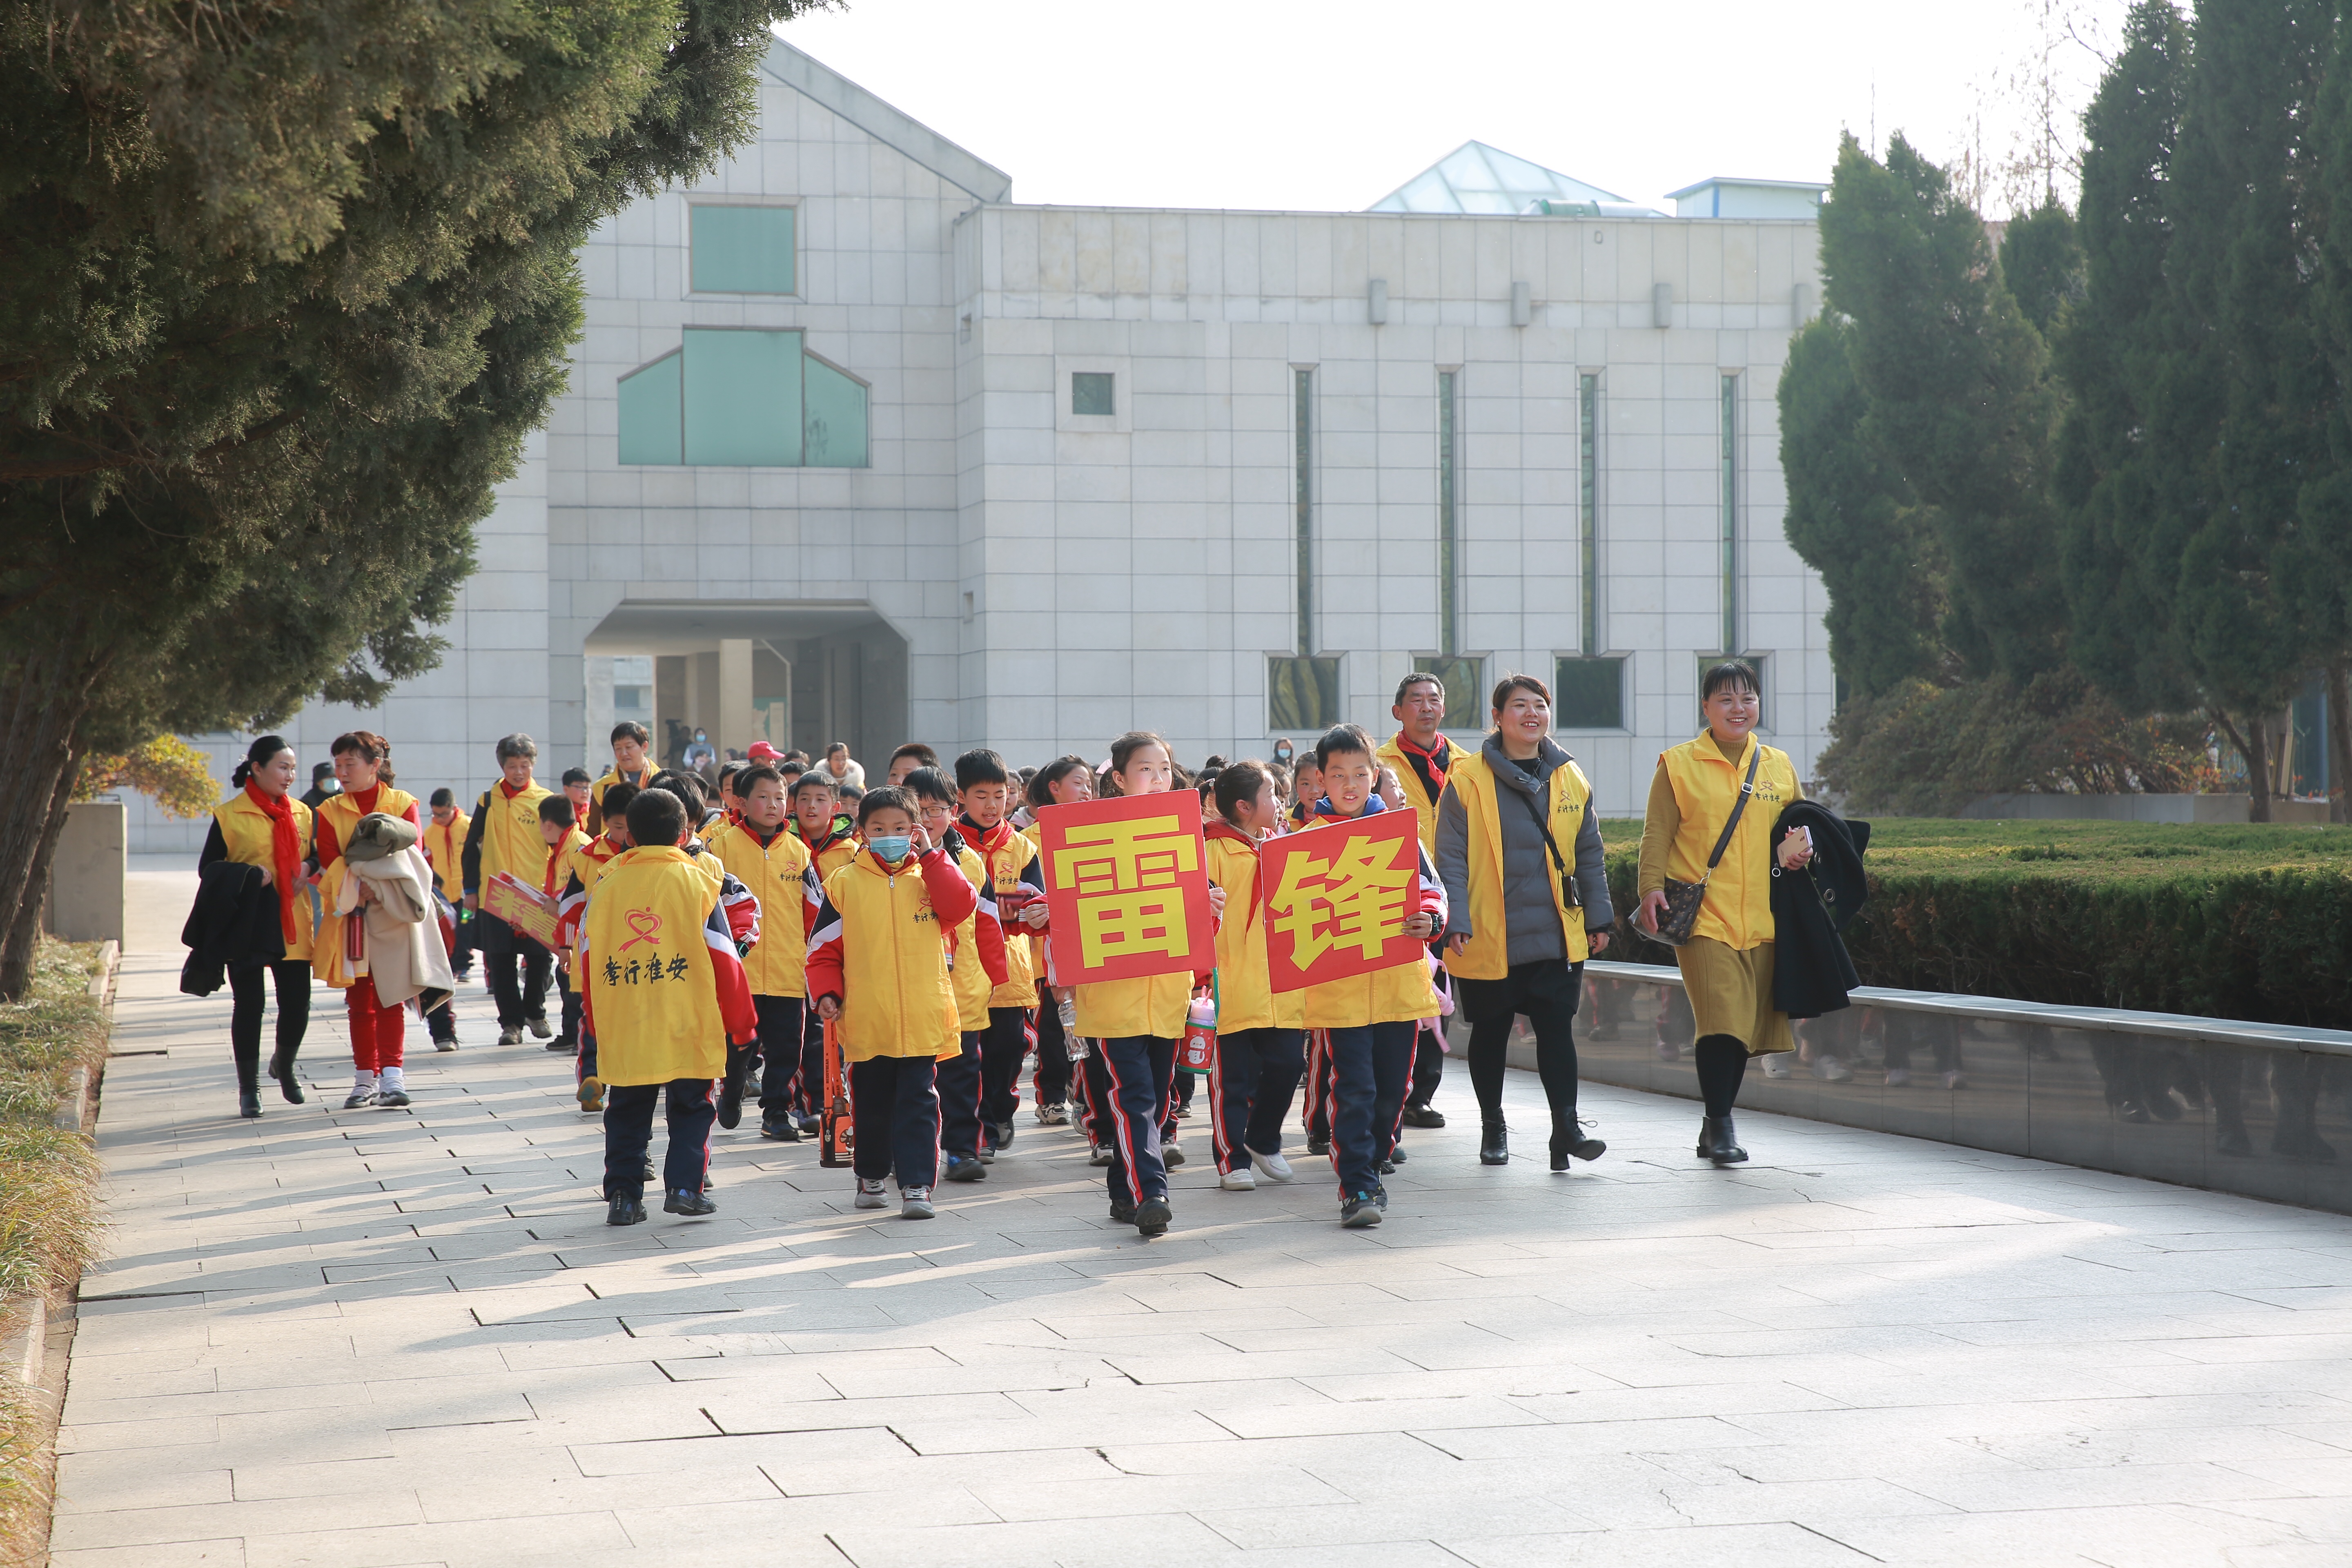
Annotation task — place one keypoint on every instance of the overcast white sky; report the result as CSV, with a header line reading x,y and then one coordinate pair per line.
x,y
1318,104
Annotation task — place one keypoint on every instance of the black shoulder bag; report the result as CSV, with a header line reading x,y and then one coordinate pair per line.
x,y
1683,898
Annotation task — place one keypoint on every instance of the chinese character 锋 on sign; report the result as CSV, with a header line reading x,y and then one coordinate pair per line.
x,y
1336,900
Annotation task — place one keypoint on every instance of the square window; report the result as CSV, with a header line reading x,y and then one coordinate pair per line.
x,y
1090,394
1589,694
1302,693
741,249
742,397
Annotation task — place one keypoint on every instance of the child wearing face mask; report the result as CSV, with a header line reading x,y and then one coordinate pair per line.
x,y
878,971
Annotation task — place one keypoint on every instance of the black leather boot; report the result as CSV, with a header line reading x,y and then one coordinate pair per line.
x,y
1567,1137
1719,1142
1494,1144
281,1068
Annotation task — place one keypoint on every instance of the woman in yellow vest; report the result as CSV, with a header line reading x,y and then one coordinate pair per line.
x,y
1260,1030
1528,900
878,971
264,826
1727,964
363,768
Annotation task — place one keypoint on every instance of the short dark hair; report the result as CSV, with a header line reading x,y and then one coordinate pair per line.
x,y
443,796
730,768
1039,791
841,746
927,783
751,777
1510,683
557,808
615,804
851,794
1238,781
1415,678
1340,739
812,779
1733,672
576,775
916,750
630,730
691,792
656,817
789,769
980,766
889,797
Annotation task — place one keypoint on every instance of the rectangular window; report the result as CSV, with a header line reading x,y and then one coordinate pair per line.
x,y
1465,678
1302,419
1449,567
1589,694
743,398
1302,693
1092,394
1588,511
741,249
1730,530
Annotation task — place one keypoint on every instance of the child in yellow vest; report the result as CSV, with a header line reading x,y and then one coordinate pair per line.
x,y
878,970
1259,1029
1016,877
445,846
831,840
762,853
1065,781
559,828
588,865
977,966
505,838
666,996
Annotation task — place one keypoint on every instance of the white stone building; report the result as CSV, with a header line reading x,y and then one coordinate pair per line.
x,y
857,448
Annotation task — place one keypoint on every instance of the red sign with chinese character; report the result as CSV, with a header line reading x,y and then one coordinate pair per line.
x,y
1127,887
1336,898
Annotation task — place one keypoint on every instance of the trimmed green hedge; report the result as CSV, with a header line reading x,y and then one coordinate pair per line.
x,y
2251,922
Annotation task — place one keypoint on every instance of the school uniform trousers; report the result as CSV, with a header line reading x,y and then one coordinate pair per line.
x,y
1003,1045
1316,1112
1128,1081
1249,1092
895,1112
808,1090
960,1089
1051,1082
629,1130
1370,1066
780,1066
520,998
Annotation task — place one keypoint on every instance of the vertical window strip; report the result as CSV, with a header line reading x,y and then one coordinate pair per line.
x,y
1587,510
1449,567
1730,516
1302,418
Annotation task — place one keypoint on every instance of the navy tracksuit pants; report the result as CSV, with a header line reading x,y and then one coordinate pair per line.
x,y
629,1130
1128,1081
960,1090
1370,1068
895,1109
1249,1092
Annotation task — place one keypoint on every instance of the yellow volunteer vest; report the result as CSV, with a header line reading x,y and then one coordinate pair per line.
x,y
445,847
896,998
510,840
596,793
1020,988
557,860
649,971
1738,909
777,963
245,832
1487,957
1245,998
967,977
339,814
1398,993
1424,803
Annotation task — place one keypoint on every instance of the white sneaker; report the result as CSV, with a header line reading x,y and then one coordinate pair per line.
x,y
1776,1064
363,1092
1273,1167
915,1203
1830,1069
870,1195
1172,1153
1897,1076
1956,1080
1098,1154
1238,1180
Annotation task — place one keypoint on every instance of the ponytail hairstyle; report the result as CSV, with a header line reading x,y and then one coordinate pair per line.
x,y
258,756
1122,750
1040,790
1238,781
368,745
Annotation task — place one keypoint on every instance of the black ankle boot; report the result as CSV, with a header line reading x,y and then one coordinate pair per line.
x,y
248,1103
281,1068
1719,1142
1494,1144
1567,1137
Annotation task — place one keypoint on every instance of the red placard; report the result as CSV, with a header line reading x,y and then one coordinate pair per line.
x,y
1127,887
1334,899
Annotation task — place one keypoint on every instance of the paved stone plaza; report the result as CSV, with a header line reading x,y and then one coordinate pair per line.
x,y
408,1338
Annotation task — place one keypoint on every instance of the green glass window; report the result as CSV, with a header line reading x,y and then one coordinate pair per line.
x,y
1092,394
1302,693
1587,510
1466,689
1589,694
741,250
837,416
1449,570
653,429
742,397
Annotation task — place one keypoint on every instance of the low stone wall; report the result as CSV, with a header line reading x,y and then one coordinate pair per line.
x,y
2256,1109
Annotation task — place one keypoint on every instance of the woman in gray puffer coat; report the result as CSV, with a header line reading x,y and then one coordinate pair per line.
x,y
1528,899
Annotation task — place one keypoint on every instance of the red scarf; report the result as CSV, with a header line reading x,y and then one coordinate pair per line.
x,y
285,851
1431,763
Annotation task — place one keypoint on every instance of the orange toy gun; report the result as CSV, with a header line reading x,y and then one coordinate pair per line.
x,y
835,1135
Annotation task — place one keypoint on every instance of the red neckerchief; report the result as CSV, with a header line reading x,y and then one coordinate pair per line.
x,y
1227,830
987,840
510,790
1429,764
285,850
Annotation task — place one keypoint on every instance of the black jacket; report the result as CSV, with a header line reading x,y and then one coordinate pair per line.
x,y
234,920
1810,971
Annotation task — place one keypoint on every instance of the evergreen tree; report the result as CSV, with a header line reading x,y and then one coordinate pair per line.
x,y
2041,263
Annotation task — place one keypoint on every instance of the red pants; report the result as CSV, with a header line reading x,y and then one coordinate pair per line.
x,y
375,1030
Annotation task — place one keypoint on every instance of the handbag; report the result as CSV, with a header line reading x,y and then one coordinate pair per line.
x,y
1683,898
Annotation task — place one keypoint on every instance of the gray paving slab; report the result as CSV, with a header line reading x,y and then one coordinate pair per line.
x,y
399,1338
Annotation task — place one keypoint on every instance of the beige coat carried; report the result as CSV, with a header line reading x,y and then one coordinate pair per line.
x,y
401,952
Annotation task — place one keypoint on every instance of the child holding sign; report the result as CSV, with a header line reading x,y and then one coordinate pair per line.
x,y
1258,1028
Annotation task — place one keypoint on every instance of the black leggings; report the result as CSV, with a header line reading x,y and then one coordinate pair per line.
x,y
293,978
1722,1062
1547,992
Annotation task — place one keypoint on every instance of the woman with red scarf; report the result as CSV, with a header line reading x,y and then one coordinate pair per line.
x,y
263,825
363,767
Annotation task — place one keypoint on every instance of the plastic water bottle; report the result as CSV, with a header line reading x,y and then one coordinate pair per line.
x,y
1074,1044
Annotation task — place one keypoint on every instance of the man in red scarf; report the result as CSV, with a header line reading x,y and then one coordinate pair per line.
x,y
1419,756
